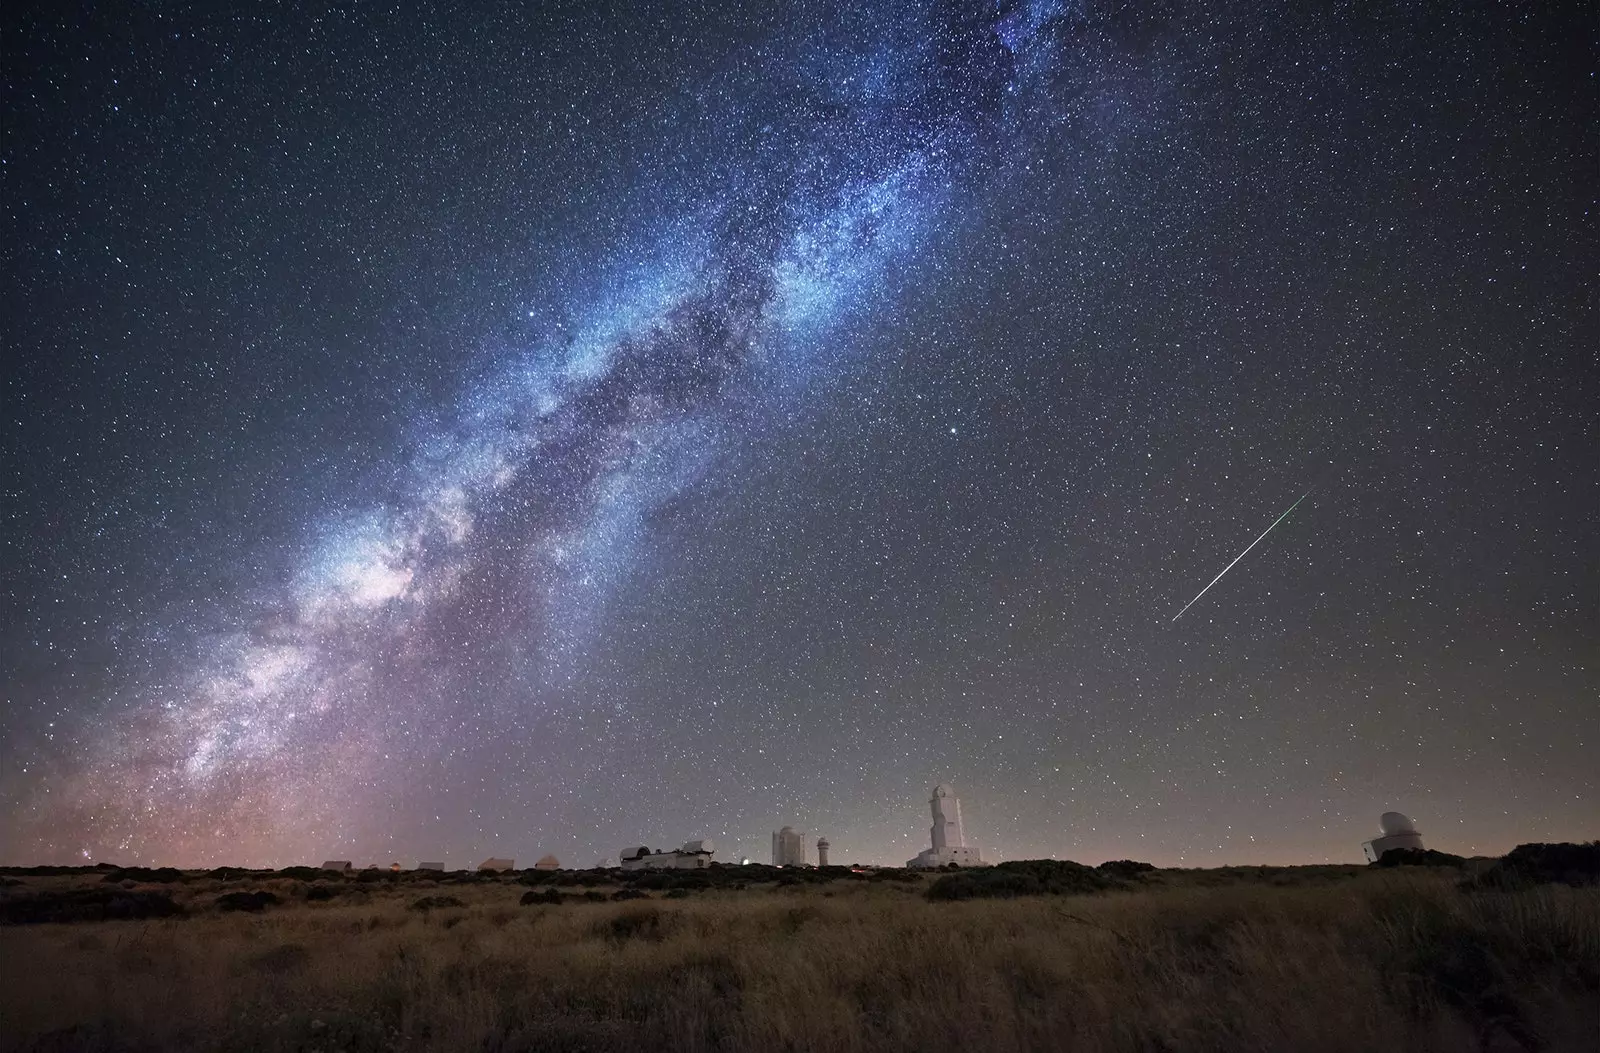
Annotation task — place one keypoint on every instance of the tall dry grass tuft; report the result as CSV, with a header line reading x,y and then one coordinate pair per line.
x,y
1367,960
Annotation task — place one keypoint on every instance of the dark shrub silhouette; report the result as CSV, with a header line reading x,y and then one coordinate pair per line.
x,y
1125,868
159,875
640,923
591,896
629,893
93,904
427,903
1417,857
1545,864
549,895
1023,877
253,902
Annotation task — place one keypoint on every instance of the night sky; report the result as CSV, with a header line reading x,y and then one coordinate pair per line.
x,y
441,431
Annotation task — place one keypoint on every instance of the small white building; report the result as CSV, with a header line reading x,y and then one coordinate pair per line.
x,y
694,855
1395,830
949,841
430,865
494,865
822,851
343,866
548,863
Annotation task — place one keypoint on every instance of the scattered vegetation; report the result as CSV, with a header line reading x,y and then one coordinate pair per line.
x,y
1538,864
549,895
1030,877
1040,955
1418,857
253,902
86,904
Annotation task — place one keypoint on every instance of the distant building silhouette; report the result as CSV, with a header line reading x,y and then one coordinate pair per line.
x,y
694,855
788,848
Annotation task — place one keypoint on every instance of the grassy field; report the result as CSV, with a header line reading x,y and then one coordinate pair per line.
x,y
1323,958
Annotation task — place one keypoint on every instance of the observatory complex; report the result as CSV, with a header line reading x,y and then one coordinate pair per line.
x,y
949,843
694,855
1394,831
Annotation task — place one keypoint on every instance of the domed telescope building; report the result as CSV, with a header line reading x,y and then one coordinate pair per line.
x,y
949,843
1394,831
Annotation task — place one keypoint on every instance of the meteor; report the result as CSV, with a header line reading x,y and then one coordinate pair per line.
x,y
1241,555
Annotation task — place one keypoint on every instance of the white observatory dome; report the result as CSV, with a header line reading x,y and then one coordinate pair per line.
x,y
1392,823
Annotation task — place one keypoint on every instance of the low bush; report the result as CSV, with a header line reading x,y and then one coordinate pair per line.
x,y
92,904
427,903
549,895
1418,857
253,902
1544,864
640,923
1025,877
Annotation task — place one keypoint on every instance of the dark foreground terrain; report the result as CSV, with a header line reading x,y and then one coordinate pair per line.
x,y
1433,955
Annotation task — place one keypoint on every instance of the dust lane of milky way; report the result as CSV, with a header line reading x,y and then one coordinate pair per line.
x,y
523,505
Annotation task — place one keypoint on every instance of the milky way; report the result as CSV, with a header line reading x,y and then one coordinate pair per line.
x,y
572,592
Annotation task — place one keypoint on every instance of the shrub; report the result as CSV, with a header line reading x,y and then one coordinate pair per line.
x,y
1023,877
427,903
285,958
640,923
1417,857
549,895
253,902
1545,864
1125,868
93,904
591,896
678,893
159,875
629,893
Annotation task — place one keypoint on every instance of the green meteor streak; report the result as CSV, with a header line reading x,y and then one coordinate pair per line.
x,y
1241,555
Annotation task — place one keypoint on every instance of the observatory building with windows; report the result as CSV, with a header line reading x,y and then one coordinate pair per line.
x,y
949,842
1394,831
694,855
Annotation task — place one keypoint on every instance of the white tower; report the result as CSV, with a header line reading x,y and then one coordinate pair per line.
x,y
946,818
949,841
822,851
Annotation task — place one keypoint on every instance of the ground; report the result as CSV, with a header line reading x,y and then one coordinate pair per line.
x,y
1303,958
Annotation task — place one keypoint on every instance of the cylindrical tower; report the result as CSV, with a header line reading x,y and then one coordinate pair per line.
x,y
822,851
946,818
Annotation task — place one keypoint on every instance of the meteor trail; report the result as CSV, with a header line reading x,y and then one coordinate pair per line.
x,y
1241,555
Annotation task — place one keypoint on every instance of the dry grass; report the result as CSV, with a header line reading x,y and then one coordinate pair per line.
x,y
1354,962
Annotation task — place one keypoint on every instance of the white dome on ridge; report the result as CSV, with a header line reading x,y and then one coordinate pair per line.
x,y
1392,823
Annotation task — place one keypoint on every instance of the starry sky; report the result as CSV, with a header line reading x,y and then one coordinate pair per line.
x,y
442,430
